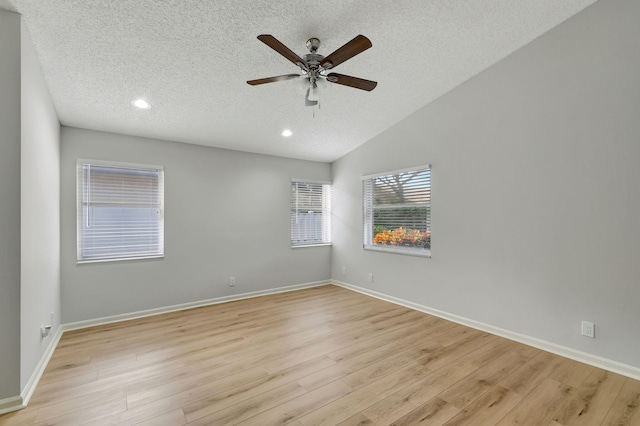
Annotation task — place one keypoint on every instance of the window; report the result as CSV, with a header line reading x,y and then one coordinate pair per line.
x,y
310,213
397,211
120,211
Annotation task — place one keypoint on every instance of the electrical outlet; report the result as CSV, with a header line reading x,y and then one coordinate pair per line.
x,y
588,329
344,270
232,281
44,331
370,277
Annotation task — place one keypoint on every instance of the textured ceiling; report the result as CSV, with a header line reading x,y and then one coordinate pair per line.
x,y
191,60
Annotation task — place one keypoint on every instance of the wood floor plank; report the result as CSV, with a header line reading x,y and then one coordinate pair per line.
x,y
253,406
172,418
397,336
418,393
488,409
414,344
160,404
187,383
326,345
529,376
89,403
357,420
48,392
383,366
483,379
26,416
73,417
540,406
82,369
491,348
592,400
365,395
135,385
435,411
324,355
625,410
233,396
466,343
295,408
570,372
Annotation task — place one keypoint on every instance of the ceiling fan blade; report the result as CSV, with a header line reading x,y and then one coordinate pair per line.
x,y
358,45
276,45
273,79
347,80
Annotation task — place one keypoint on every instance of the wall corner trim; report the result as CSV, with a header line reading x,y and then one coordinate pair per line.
x,y
586,358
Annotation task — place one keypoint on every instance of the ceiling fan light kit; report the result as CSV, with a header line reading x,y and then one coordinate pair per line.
x,y
314,67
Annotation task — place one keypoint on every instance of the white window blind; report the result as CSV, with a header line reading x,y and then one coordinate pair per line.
x,y
310,213
120,211
397,211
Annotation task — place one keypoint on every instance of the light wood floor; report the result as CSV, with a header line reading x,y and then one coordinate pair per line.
x,y
319,356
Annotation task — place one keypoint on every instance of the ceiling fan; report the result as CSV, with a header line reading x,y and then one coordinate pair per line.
x,y
314,67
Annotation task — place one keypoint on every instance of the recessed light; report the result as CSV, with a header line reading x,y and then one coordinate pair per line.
x,y
141,103
286,133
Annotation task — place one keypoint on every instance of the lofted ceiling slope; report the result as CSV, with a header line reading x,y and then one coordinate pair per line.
x,y
191,59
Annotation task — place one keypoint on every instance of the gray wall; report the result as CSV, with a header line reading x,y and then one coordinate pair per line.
x,y
226,214
536,194
40,200
9,204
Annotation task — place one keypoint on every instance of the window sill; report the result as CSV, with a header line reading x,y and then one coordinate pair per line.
x,y
406,252
118,259
311,245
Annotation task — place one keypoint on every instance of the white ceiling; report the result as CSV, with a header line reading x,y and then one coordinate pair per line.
x,y
191,60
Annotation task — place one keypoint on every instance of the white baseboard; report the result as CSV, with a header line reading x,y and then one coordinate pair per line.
x,y
11,404
28,390
19,402
173,308
586,358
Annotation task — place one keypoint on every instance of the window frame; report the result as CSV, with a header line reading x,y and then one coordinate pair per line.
x,y
325,211
80,217
368,214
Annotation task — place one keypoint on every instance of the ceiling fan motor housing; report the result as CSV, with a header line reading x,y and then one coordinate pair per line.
x,y
313,60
